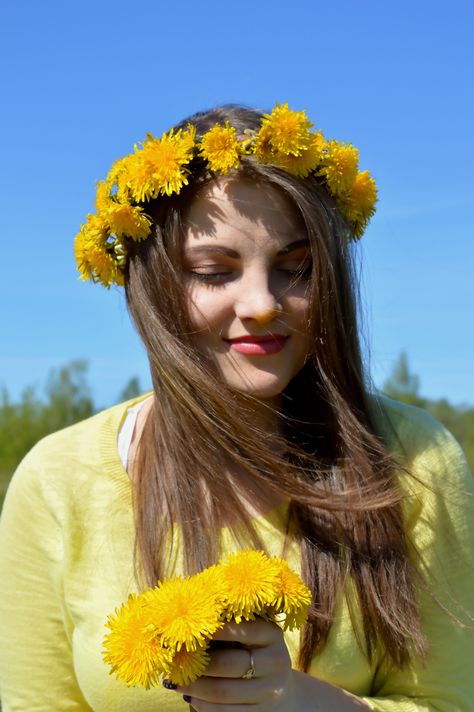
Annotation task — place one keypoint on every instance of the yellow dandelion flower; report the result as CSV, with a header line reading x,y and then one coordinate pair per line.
x,y
97,229
220,147
359,205
127,220
283,131
105,269
293,596
306,162
118,177
184,611
339,166
83,247
159,167
187,665
211,579
263,148
135,179
93,259
132,648
252,584
102,197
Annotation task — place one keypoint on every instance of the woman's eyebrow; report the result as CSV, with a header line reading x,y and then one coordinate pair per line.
x,y
211,249
222,250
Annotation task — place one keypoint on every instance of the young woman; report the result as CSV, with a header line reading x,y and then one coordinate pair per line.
x,y
233,237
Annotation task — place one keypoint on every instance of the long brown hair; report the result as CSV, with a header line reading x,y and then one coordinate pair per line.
x,y
328,460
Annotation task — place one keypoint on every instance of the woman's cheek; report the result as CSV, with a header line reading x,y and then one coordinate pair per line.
x,y
205,309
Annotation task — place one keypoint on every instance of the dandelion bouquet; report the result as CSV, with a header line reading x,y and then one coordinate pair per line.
x,y
167,631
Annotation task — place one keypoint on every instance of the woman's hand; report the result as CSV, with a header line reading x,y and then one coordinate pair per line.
x,y
223,687
270,684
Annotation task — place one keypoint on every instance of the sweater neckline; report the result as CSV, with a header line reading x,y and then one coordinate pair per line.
x,y
110,451
275,517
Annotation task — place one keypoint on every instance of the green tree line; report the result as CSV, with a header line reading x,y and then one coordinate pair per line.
x,y
67,399
403,385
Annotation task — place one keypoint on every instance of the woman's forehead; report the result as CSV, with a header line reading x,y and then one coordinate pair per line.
x,y
228,206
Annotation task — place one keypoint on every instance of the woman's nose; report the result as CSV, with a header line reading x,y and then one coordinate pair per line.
x,y
257,301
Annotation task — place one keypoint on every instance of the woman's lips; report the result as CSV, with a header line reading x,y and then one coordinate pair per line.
x,y
258,345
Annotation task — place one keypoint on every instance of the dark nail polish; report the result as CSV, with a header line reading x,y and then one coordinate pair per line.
x,y
169,685
187,698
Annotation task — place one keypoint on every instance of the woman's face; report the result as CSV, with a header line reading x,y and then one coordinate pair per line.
x,y
243,249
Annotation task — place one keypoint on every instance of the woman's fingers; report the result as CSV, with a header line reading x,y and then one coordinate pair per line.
x,y
249,665
252,634
236,662
225,691
200,706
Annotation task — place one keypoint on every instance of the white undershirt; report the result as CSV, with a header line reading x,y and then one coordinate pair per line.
x,y
124,439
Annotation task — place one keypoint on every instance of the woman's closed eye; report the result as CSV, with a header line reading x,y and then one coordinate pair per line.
x,y
294,267
300,269
213,275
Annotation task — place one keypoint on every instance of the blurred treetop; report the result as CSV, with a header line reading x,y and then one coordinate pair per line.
x,y
404,386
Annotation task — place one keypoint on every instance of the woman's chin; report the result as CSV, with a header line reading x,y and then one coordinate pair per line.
x,y
262,391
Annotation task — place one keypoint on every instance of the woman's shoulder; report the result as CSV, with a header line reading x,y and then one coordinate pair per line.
x,y
410,431
77,453
71,439
426,448
403,416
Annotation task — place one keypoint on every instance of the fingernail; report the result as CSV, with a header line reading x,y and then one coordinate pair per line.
x,y
187,698
169,685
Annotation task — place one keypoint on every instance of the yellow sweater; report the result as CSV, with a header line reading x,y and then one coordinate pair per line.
x,y
66,562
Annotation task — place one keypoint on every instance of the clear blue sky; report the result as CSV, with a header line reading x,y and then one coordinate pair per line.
x,y
81,82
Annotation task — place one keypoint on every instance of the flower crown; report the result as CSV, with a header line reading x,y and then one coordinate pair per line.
x,y
161,166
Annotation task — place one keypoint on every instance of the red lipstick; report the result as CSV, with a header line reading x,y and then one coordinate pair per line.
x,y
258,345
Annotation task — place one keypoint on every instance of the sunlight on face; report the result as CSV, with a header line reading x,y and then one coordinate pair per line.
x,y
245,258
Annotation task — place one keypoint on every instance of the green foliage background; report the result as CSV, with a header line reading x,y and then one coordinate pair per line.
x,y
68,399
459,419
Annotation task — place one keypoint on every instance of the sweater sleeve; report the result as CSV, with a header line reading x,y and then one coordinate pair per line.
x,y
36,666
440,523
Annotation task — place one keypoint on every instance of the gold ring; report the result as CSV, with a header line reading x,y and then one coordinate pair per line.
x,y
251,672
